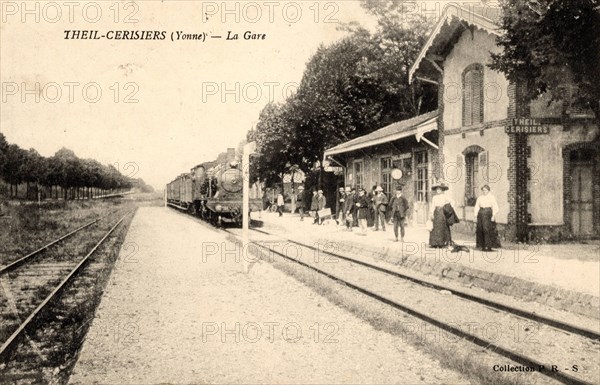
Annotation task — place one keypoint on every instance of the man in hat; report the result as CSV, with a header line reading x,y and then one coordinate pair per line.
x,y
380,202
280,203
399,210
354,200
372,216
339,207
321,203
348,208
300,202
362,209
313,206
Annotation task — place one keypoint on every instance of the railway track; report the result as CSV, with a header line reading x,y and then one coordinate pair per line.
x,y
431,303
558,324
38,279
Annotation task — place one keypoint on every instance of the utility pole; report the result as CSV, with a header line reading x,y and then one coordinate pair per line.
x,y
249,148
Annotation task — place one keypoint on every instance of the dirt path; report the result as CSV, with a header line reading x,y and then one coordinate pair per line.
x,y
170,317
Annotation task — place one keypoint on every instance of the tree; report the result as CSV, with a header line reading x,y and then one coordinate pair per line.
x,y
349,88
64,169
274,138
33,170
13,171
548,44
3,155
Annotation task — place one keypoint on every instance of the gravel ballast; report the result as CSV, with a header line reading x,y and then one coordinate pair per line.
x,y
175,314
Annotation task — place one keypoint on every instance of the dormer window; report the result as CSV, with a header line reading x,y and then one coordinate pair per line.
x,y
472,86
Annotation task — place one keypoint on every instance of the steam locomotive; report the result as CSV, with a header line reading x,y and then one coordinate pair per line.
x,y
212,191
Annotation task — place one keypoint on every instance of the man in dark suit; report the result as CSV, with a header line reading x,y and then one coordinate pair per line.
x,y
339,207
321,204
380,203
399,209
314,204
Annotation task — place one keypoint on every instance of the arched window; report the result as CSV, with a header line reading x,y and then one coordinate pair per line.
x,y
475,160
472,92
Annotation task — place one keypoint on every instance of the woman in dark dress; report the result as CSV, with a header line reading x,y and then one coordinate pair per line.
x,y
443,216
486,209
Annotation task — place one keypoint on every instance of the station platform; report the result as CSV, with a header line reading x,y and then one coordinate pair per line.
x,y
179,309
565,276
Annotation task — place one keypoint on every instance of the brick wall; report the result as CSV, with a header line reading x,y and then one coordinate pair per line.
x,y
518,171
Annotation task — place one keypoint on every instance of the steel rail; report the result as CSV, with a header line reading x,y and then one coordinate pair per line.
x,y
18,262
56,290
488,345
588,333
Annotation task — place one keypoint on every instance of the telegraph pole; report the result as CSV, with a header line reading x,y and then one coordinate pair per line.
x,y
249,148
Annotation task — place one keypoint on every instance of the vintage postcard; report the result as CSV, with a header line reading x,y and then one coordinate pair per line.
x,y
299,192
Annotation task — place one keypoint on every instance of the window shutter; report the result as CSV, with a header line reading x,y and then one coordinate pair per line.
x,y
467,98
477,96
484,167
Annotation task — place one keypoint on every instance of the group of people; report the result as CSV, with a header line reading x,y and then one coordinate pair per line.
x,y
318,202
443,216
357,208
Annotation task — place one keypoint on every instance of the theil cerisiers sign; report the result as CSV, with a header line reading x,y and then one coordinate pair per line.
x,y
527,126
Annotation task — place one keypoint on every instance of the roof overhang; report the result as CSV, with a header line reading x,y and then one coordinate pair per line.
x,y
454,21
363,142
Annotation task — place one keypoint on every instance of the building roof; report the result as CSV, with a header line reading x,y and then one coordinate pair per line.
x,y
405,128
453,22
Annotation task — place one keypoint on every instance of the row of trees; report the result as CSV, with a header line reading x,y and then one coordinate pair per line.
x,y
348,89
360,83
74,177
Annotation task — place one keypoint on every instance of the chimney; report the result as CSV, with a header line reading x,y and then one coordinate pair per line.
x,y
230,155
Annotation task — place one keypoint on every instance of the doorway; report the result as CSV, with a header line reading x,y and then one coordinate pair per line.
x,y
582,191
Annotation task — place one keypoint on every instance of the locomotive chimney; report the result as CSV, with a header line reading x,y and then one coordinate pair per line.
x,y
230,155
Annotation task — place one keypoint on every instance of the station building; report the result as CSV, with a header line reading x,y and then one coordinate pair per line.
x,y
541,159
409,146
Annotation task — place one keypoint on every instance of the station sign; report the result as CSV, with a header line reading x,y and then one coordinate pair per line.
x,y
527,126
402,156
333,169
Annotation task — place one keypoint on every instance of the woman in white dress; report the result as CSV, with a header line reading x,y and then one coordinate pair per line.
x,y
486,210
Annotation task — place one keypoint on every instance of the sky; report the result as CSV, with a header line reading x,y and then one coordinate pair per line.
x,y
154,108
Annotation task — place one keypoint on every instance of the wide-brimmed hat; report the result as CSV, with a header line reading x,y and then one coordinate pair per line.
x,y
379,188
348,189
301,188
441,185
